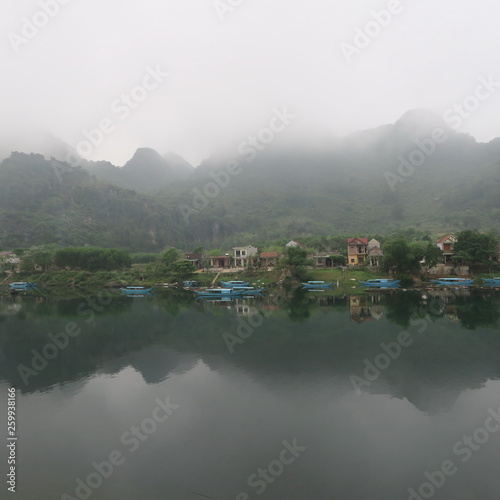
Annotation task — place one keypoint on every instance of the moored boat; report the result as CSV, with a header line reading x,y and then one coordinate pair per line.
x,y
218,292
247,290
22,285
453,281
380,282
135,290
316,284
191,284
231,284
492,281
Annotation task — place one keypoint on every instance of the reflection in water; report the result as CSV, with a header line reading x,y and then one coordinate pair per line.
x,y
289,378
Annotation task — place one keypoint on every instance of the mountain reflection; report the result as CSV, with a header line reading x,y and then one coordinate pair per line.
x,y
455,346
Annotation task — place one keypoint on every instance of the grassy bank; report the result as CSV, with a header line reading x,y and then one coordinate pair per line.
x,y
139,274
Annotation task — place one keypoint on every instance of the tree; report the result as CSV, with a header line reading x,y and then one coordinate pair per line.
x,y
432,255
401,257
182,268
39,257
168,257
295,261
92,258
473,247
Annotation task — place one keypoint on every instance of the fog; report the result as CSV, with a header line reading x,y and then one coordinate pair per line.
x,y
108,76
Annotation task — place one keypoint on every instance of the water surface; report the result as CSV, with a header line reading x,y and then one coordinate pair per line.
x,y
305,396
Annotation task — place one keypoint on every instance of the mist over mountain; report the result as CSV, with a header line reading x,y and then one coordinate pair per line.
x,y
417,172
146,171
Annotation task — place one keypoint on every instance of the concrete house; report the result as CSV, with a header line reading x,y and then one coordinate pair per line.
x,y
357,251
268,259
375,253
446,244
243,256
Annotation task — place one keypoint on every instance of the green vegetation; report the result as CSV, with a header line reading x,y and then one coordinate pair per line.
x,y
473,247
92,259
281,195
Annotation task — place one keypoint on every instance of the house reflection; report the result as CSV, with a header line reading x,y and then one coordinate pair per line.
x,y
364,308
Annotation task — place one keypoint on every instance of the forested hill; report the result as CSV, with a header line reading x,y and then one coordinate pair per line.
x,y
50,202
145,172
354,185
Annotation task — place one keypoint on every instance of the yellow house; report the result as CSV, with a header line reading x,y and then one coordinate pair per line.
x,y
357,251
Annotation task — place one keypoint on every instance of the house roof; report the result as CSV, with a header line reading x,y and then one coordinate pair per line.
x,y
444,238
268,255
363,241
293,243
193,256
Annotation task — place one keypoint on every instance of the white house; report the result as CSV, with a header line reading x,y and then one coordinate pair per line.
x,y
243,255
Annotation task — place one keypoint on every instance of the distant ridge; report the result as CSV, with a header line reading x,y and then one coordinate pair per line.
x,y
285,192
146,171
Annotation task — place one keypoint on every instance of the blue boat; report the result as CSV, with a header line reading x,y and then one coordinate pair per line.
x,y
191,284
453,281
231,284
135,290
248,290
381,283
23,285
218,292
492,281
316,284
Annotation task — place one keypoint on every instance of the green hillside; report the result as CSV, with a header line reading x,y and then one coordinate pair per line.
x,y
49,202
352,186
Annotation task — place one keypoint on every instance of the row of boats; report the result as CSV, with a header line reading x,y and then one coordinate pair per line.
x,y
236,287
231,289
389,283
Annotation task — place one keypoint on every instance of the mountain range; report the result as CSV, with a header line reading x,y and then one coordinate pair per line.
x,y
417,172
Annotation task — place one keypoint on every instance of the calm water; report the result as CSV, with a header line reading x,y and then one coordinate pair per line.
x,y
308,396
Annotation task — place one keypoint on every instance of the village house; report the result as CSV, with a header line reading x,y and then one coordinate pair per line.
x,y
293,244
360,252
375,253
357,251
268,259
446,244
220,261
243,256
10,260
324,259
196,259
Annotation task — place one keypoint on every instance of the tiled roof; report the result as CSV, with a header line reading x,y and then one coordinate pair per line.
x,y
444,238
363,241
268,255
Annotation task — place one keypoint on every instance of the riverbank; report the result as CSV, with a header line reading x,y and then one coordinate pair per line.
x,y
139,275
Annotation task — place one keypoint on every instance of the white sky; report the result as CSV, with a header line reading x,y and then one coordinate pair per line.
x,y
227,76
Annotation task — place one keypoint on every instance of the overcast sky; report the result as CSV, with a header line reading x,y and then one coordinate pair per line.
x,y
228,68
